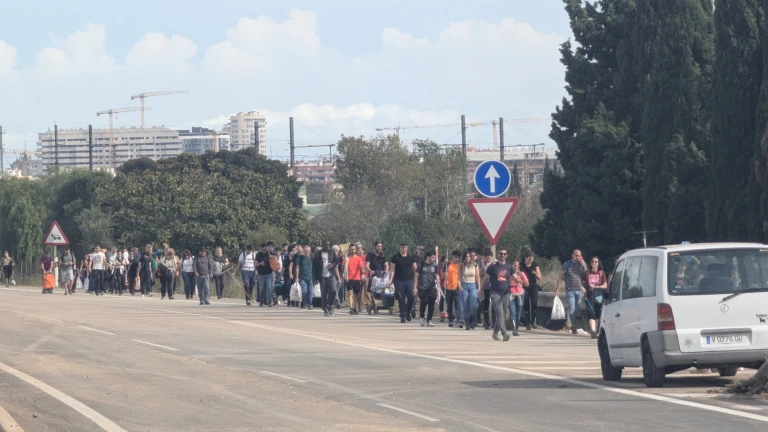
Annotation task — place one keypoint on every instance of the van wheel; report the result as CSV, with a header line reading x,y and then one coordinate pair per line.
x,y
610,372
652,375
728,372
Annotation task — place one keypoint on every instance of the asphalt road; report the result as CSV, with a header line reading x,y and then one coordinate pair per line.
x,y
86,363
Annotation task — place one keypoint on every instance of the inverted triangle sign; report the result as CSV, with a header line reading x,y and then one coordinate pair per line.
x,y
492,214
56,236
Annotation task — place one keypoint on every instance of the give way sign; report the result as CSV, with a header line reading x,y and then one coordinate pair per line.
x,y
492,214
55,236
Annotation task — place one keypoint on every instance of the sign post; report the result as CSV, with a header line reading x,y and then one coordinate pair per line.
x,y
55,238
492,180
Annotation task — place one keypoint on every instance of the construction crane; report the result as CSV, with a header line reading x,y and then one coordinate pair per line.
x,y
495,124
112,113
142,96
398,127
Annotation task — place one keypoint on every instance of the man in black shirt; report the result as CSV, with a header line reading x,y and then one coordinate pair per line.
x,y
402,277
425,279
266,282
375,261
498,275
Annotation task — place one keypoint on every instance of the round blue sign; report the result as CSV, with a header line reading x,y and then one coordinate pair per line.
x,y
492,179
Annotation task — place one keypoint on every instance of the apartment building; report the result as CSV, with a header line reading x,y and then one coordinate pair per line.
x,y
242,131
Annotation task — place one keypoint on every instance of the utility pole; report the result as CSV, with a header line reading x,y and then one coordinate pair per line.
x,y
463,135
90,147
293,146
501,137
2,153
56,144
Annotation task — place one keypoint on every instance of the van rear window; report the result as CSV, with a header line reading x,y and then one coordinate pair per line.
x,y
720,271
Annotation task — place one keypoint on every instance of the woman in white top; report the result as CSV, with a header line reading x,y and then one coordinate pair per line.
x,y
188,273
470,276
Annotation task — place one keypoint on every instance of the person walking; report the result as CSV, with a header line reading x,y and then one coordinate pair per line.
x,y
517,284
572,272
266,278
303,272
8,265
341,263
188,273
531,304
484,305
470,277
246,264
452,287
133,269
109,273
46,265
98,266
326,272
220,263
286,257
169,266
403,265
121,269
498,275
203,275
145,272
85,273
596,283
67,265
426,281
354,273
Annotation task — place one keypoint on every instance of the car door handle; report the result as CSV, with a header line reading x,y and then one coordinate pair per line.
x,y
617,315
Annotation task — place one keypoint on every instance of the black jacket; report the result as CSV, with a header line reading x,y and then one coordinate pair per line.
x,y
317,264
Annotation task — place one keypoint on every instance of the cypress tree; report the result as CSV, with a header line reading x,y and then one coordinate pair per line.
x,y
736,85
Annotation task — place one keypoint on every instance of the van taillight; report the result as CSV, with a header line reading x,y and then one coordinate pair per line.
x,y
665,318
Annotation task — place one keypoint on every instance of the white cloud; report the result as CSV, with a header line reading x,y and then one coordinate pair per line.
x,y
81,55
158,52
7,60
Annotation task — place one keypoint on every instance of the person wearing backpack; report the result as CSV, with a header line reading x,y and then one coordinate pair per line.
x,y
266,282
571,274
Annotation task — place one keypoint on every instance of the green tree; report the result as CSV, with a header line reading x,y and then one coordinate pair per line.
x,y
22,208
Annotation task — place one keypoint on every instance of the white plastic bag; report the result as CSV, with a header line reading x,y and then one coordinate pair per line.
x,y
558,311
79,284
295,292
316,290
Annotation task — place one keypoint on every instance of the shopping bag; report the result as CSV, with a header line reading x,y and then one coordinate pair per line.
x,y
316,290
79,284
558,311
295,292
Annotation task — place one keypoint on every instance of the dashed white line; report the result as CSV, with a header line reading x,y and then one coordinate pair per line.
x,y
103,422
154,344
540,362
283,376
96,330
404,411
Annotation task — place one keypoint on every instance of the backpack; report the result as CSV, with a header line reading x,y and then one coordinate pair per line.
x,y
274,263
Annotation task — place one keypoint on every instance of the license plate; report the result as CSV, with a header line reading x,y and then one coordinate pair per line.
x,y
726,339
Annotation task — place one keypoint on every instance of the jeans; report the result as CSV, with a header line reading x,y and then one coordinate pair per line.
x,y
328,292
427,299
306,292
219,281
166,283
266,288
574,301
498,303
531,304
515,308
404,293
452,300
469,301
249,280
189,284
287,284
118,281
146,283
97,281
204,288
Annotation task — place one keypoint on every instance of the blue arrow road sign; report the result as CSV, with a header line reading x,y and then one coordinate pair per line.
x,y
492,179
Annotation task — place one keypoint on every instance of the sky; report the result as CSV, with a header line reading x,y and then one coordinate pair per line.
x,y
337,66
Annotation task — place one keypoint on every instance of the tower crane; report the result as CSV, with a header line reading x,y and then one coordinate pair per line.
x,y
495,124
142,96
398,127
112,113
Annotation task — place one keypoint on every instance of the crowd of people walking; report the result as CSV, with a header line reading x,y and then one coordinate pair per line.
x,y
468,288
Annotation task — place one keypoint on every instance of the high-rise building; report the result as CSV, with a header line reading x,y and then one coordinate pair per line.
x,y
198,140
242,131
129,143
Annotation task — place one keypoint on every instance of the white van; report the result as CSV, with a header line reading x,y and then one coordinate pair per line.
x,y
670,308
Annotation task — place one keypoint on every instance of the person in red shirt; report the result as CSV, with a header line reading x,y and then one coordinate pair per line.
x,y
595,281
355,269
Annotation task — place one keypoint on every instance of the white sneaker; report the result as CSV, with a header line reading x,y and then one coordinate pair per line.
x,y
429,324
142,296
581,332
422,322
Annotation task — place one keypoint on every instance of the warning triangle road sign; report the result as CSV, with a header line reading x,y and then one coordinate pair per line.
x,y
56,236
492,214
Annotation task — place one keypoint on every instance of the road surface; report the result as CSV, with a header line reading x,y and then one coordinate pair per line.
x,y
85,363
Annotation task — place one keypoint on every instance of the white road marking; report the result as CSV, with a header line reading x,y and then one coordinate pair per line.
x,y
88,412
154,345
542,362
96,330
421,416
698,395
34,315
545,368
283,376
7,423
634,393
